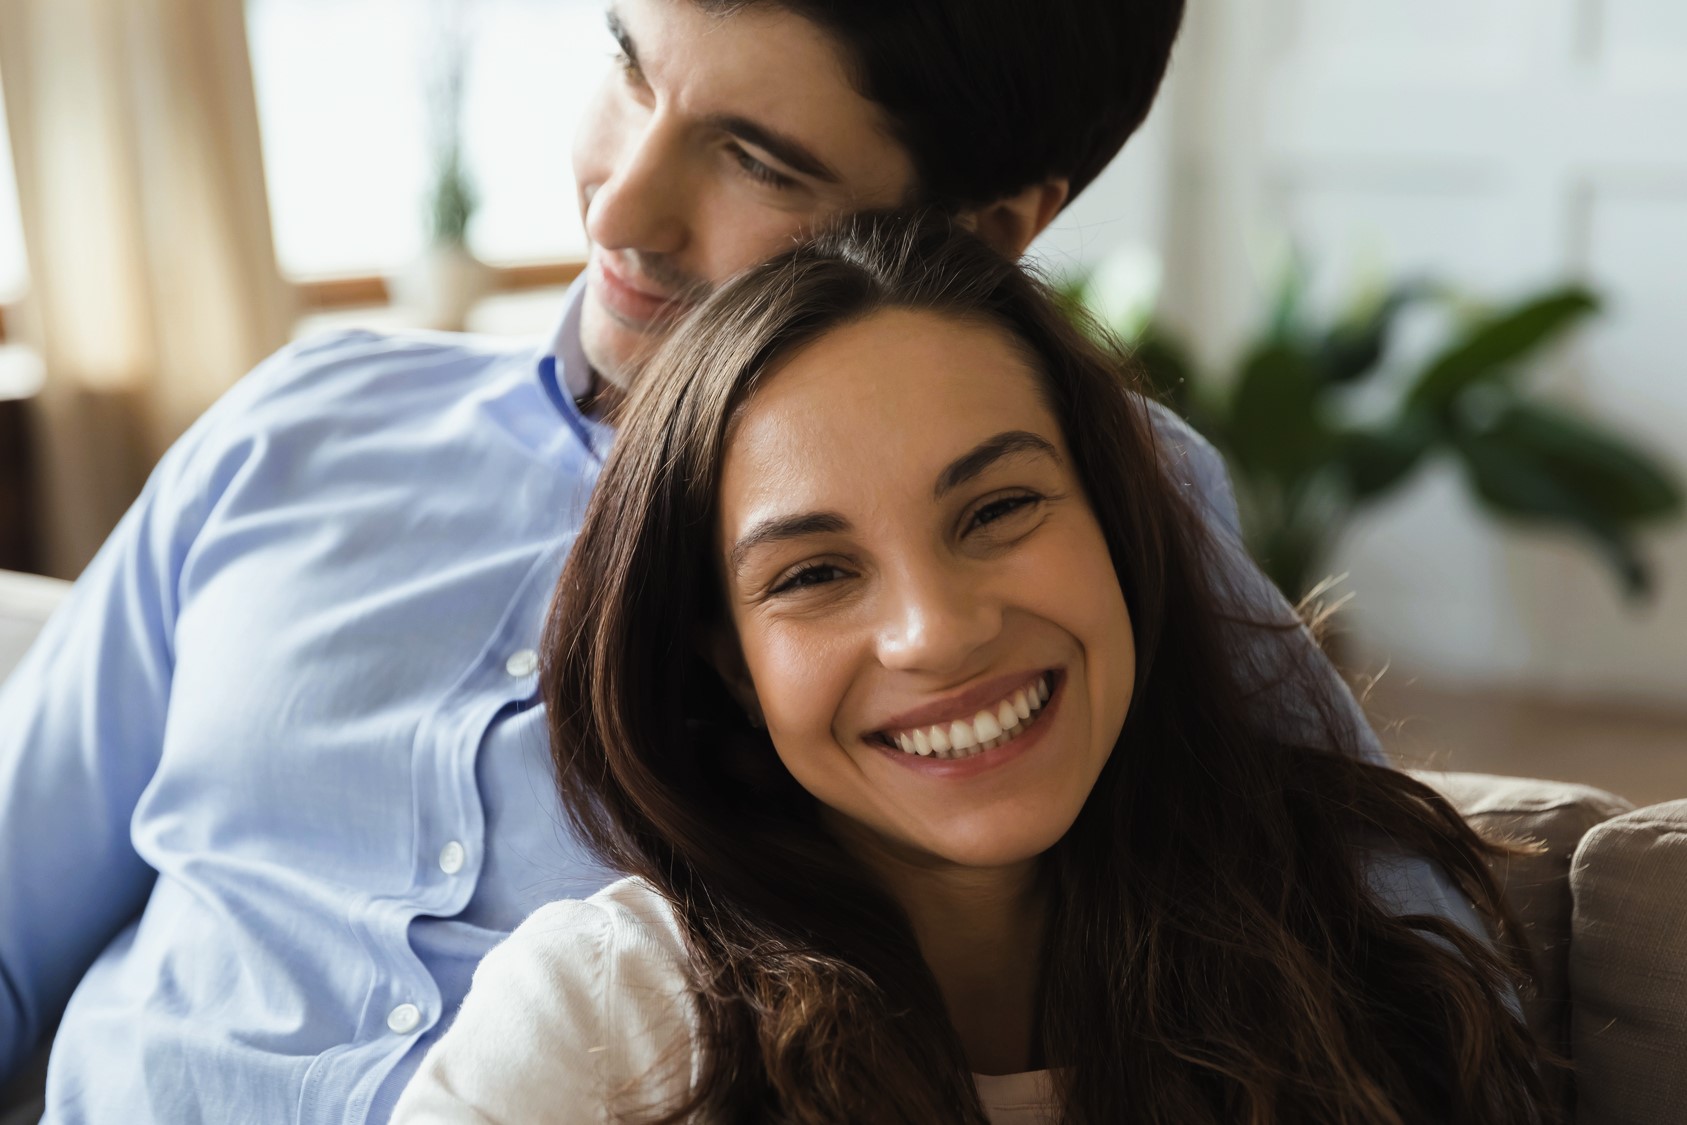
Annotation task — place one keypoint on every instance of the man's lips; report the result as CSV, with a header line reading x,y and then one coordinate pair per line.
x,y
628,302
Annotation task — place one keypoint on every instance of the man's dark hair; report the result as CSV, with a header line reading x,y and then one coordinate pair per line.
x,y
993,96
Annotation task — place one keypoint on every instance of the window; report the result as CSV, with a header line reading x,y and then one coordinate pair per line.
x,y
342,101
14,270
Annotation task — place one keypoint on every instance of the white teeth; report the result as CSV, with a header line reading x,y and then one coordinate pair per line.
x,y
1007,716
987,730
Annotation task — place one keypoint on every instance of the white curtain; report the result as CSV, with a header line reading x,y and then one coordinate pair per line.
x,y
153,277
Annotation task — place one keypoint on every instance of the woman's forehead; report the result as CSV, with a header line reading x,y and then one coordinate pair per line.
x,y
886,402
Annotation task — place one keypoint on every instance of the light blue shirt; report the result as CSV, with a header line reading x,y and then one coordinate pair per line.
x,y
275,778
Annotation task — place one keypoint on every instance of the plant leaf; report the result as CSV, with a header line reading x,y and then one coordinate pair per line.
x,y
1288,300
1513,479
1356,347
1275,425
1374,462
1166,367
1622,482
1491,348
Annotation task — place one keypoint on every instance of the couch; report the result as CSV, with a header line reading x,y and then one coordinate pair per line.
x,y
1604,904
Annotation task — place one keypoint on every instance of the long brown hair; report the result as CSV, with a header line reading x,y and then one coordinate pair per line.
x,y
1215,953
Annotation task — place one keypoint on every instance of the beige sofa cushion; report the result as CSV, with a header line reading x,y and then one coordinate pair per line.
x,y
1557,814
1628,967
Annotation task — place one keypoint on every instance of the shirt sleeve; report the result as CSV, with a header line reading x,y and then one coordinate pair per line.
x,y
1294,688
82,721
570,1019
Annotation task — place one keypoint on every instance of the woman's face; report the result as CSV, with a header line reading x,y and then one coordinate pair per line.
x,y
927,615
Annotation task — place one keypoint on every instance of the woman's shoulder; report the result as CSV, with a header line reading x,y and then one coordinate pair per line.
x,y
627,921
586,1003
612,967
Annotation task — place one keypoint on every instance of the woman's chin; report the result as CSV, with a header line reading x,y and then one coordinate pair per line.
x,y
989,846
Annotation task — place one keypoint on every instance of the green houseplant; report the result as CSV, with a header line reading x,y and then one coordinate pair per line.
x,y
1306,459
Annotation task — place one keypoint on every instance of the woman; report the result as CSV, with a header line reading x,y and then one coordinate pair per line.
x,y
887,665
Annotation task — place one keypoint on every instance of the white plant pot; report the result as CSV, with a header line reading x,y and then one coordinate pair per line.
x,y
441,286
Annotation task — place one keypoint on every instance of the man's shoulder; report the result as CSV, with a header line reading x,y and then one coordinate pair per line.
x,y
380,371
331,396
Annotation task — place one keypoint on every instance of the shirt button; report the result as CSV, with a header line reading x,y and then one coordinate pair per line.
x,y
404,1019
451,858
523,663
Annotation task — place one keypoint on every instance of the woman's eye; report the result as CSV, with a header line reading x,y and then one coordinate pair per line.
x,y
818,574
760,172
997,510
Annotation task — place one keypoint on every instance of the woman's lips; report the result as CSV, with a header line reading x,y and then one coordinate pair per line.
x,y
635,307
954,769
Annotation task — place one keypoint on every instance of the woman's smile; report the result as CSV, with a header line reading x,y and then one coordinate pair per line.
x,y
959,727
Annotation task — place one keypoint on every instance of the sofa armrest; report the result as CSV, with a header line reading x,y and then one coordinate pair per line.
x,y
1628,968
1557,815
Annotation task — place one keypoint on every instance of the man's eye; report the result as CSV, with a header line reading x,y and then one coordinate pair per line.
x,y
628,68
804,577
760,172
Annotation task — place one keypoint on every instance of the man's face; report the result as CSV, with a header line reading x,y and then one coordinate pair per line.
x,y
717,142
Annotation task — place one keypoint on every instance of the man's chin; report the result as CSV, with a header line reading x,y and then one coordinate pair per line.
x,y
612,347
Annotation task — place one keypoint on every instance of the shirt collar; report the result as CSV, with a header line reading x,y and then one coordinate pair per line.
x,y
574,374
565,374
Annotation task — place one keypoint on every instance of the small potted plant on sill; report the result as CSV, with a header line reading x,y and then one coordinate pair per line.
x,y
446,280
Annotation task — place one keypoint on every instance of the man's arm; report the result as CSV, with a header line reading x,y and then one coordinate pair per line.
x,y
82,722
1298,692
1296,689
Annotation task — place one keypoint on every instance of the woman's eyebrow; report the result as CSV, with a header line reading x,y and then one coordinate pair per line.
x,y
987,453
785,527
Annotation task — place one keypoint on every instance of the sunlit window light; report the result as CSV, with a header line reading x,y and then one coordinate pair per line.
x,y
14,268
341,87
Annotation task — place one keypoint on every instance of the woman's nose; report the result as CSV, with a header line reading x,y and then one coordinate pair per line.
x,y
640,205
936,621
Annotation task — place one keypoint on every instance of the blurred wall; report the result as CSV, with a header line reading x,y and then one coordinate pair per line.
x,y
1498,145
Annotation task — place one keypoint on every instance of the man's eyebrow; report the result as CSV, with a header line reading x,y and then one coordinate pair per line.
x,y
784,148
987,453
785,527
623,39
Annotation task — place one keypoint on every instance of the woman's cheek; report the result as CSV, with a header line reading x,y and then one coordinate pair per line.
x,y
800,681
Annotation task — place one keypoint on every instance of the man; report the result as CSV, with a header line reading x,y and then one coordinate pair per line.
x,y
274,780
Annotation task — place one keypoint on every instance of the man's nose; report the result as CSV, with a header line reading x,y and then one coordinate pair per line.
x,y
641,205
936,620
